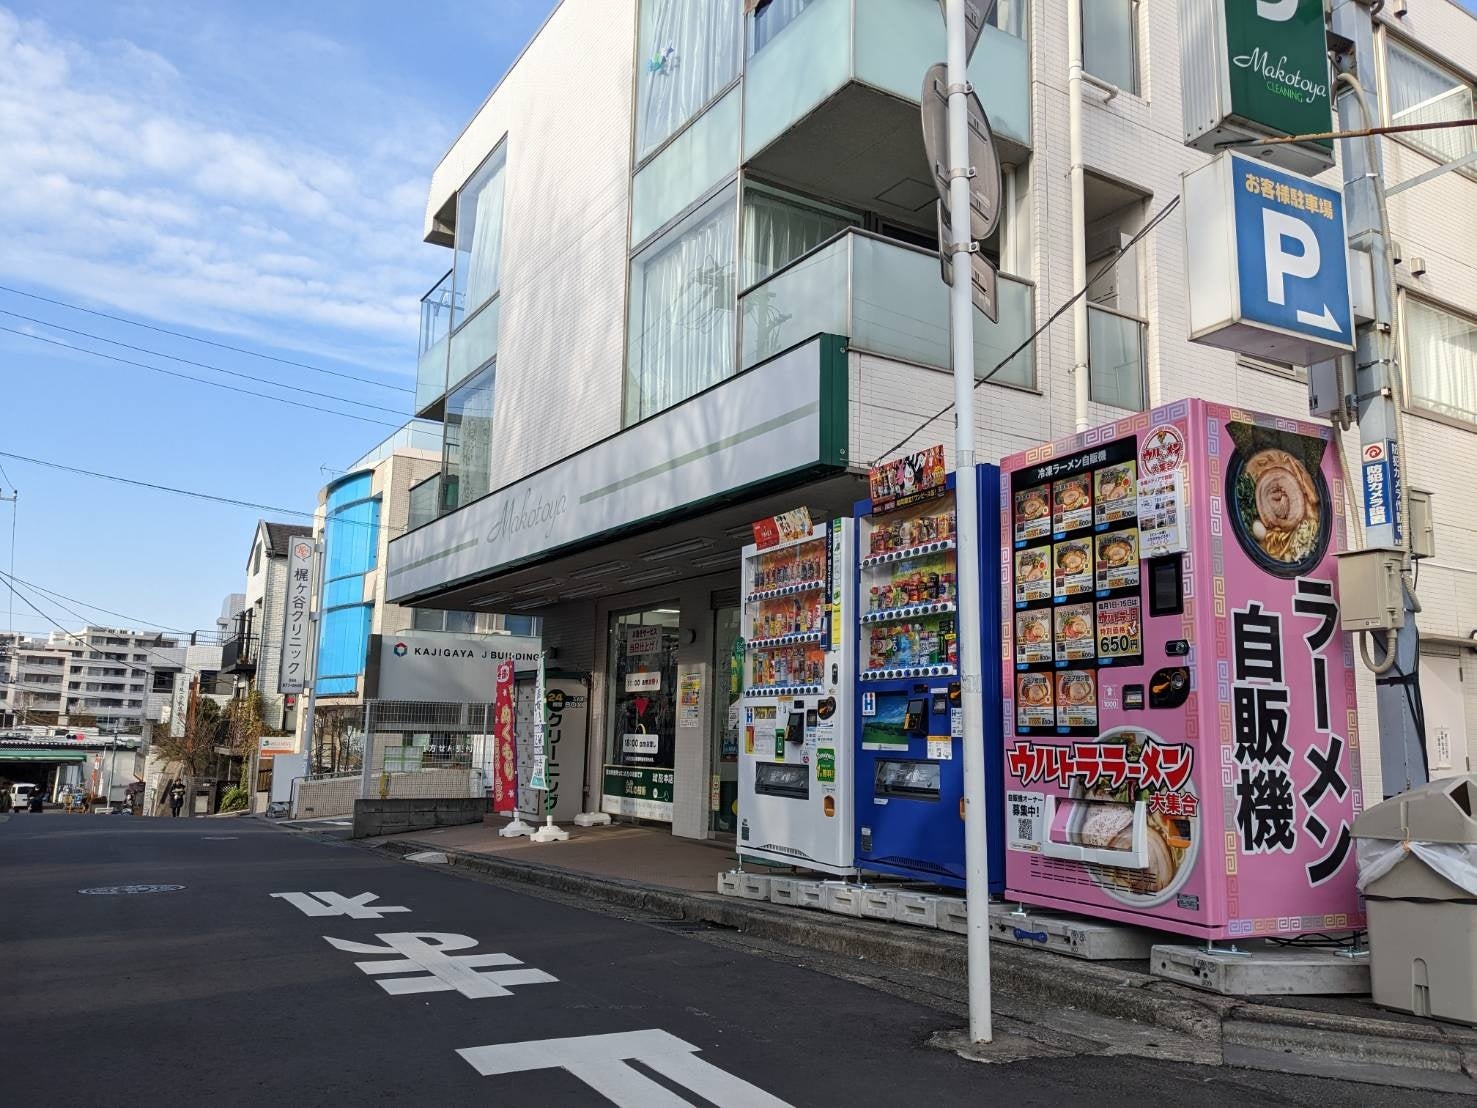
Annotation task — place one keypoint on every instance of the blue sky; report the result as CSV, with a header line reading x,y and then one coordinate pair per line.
x,y
254,173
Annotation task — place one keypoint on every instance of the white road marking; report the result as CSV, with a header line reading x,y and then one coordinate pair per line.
x,y
600,1062
336,904
422,951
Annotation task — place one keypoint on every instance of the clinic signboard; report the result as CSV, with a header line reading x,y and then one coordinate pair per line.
x,y
1267,260
1261,71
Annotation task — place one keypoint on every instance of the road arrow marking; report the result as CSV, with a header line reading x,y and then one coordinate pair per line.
x,y
336,904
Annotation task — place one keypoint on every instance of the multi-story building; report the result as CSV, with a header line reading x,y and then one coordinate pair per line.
x,y
391,489
103,674
252,653
690,290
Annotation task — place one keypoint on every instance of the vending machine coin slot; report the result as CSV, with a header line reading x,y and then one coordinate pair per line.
x,y
1169,688
940,705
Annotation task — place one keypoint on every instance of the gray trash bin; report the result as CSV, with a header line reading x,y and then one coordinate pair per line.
x,y
1418,872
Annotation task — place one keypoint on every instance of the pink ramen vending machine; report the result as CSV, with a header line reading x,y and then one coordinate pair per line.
x,y
1181,750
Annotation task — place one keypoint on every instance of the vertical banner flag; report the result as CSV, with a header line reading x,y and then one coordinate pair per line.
x,y
505,755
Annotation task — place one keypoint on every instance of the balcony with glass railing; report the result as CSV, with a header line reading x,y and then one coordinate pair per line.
x,y
430,371
1116,366
802,52
889,299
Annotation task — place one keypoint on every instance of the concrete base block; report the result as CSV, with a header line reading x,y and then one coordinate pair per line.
x,y
844,900
1260,968
1074,936
951,915
811,894
918,909
877,903
782,890
747,886
592,819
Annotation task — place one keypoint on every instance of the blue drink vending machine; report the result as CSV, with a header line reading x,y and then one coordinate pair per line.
x,y
909,720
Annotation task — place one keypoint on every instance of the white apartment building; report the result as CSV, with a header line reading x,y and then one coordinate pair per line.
x,y
252,653
694,281
105,673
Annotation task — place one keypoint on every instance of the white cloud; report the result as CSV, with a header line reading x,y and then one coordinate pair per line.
x,y
123,185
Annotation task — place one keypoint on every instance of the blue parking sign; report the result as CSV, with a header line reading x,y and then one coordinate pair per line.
x,y
1291,248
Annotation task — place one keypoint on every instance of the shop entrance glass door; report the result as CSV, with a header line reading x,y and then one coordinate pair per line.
x,y
728,672
641,741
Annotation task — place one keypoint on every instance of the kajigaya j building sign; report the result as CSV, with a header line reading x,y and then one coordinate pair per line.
x,y
1257,69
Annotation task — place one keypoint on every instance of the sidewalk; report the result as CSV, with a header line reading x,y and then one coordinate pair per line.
x,y
651,870
646,855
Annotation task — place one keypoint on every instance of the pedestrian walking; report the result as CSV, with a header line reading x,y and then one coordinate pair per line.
x,y
176,797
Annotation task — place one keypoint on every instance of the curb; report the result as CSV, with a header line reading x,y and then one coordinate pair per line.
x,y
1433,1056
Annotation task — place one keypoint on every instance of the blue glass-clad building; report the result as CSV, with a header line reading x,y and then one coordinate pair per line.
x,y
351,543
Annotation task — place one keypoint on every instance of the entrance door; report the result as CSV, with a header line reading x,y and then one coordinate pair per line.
x,y
642,739
728,671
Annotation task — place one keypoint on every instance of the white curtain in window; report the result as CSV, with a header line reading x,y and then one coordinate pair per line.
x,y
1108,41
1422,93
771,19
776,232
479,261
683,307
689,51
1442,351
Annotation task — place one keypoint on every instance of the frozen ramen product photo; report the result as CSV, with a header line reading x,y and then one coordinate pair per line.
x,y
1033,637
1072,567
1071,503
1118,559
1074,641
1278,499
1034,705
1033,513
1032,575
1117,492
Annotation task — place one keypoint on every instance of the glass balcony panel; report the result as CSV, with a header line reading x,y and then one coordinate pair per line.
x,y
896,42
805,62
1115,358
430,370
474,344
898,307
1001,71
701,156
807,298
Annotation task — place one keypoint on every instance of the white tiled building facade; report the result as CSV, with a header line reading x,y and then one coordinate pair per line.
x,y
815,114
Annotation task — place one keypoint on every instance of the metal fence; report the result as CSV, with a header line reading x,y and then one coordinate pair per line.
x,y
426,749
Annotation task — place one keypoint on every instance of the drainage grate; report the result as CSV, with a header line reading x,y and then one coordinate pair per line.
x,y
129,890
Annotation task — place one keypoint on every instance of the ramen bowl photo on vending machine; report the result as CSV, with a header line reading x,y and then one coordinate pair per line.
x,y
1181,748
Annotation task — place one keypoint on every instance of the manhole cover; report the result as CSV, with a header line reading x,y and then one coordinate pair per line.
x,y
129,890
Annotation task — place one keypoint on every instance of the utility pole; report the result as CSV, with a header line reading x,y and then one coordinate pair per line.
x,y
315,611
961,320
14,499
1378,393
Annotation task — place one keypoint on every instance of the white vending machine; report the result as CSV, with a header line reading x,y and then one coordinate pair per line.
x,y
795,749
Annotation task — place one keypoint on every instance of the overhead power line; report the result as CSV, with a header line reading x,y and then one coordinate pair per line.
x,y
206,342
1034,335
197,380
96,607
199,365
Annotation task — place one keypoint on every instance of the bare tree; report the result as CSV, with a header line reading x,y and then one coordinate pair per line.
x,y
204,730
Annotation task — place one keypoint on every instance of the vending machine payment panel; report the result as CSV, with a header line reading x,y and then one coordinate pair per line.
x,y
909,722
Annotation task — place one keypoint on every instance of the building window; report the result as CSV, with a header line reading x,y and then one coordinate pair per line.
x,y
466,452
425,500
1110,42
778,229
1115,359
689,53
479,238
1420,91
1440,359
256,559
770,18
682,310
341,649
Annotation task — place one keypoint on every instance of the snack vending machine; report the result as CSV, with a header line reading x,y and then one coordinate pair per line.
x,y
795,754
909,724
1181,750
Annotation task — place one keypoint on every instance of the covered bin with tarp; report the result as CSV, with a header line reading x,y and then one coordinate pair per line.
x,y
1418,873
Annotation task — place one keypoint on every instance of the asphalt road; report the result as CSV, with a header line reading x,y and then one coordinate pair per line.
x,y
220,991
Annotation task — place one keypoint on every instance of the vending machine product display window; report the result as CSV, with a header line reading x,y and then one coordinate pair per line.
x,y
1181,748
794,753
909,734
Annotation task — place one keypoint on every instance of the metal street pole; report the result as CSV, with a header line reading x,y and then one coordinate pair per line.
x,y
1377,388
976,852
310,705
14,499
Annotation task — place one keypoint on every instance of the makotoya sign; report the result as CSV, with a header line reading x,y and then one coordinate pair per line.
x,y
1268,262
1257,69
